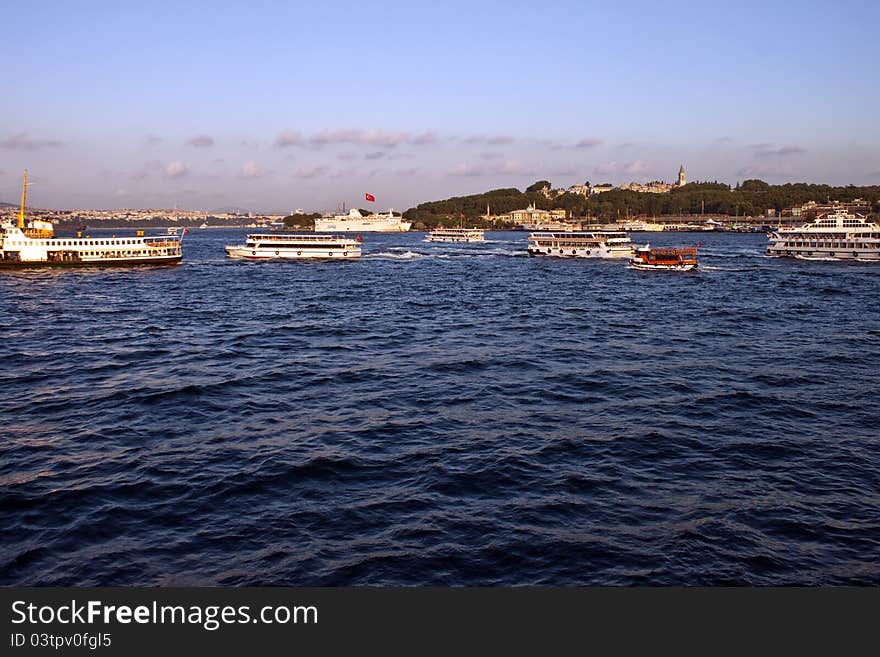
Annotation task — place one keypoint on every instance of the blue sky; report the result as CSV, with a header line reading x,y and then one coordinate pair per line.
x,y
279,105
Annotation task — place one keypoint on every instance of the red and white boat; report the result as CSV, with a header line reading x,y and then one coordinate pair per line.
x,y
677,259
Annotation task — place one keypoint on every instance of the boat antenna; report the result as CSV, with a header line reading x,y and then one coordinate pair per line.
x,y
24,186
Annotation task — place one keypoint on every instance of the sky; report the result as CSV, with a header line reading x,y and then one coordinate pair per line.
x,y
273,106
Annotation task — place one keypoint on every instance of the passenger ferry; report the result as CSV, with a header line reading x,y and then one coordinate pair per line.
x,y
34,243
648,259
356,222
295,246
836,236
456,235
579,244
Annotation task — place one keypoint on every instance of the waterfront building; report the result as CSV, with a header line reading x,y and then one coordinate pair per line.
x,y
595,190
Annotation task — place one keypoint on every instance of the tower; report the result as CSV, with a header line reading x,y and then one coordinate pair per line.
x,y
682,180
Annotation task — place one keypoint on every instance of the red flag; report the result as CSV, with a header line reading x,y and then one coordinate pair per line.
x,y
370,198
462,215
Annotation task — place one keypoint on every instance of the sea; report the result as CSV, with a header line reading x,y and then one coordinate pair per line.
x,y
444,415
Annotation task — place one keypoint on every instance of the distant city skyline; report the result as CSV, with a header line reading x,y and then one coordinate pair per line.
x,y
271,107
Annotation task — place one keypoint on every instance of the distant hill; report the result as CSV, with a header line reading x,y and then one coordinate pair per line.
x,y
229,209
8,205
750,198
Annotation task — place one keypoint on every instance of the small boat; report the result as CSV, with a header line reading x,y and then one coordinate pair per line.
x,y
203,226
456,235
295,246
679,259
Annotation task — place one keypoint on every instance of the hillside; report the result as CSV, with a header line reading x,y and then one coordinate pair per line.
x,y
751,198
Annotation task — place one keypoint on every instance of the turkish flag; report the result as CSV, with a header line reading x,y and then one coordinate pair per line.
x,y
370,197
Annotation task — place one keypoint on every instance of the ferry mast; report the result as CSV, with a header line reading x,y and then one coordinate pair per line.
x,y
24,186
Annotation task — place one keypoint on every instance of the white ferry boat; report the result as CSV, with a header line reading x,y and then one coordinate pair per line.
x,y
295,246
355,222
837,236
642,226
34,243
580,244
456,235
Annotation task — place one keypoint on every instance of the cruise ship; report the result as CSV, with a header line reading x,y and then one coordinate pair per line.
x,y
835,236
456,235
295,246
34,243
355,222
580,244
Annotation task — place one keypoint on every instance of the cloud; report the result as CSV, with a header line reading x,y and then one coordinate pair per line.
x,y
489,155
509,168
406,172
361,137
287,138
492,140
588,142
22,142
769,169
377,155
356,137
152,140
769,150
605,168
175,170
347,156
423,139
253,170
636,167
200,141
311,172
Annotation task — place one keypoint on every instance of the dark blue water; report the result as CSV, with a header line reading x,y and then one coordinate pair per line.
x,y
441,414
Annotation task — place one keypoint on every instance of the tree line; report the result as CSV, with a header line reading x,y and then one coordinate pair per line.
x,y
750,198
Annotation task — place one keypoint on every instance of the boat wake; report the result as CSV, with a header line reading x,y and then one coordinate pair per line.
x,y
390,255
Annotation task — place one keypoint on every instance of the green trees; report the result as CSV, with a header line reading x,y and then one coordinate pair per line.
x,y
301,220
538,186
749,198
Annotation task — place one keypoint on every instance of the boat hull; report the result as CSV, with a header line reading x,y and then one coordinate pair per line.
x,y
827,255
641,266
603,253
104,262
244,253
455,240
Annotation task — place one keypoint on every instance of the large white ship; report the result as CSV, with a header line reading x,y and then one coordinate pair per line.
x,y
836,236
355,222
581,244
34,243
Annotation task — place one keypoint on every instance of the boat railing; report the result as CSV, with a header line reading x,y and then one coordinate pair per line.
x,y
323,238
163,241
